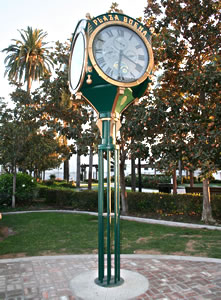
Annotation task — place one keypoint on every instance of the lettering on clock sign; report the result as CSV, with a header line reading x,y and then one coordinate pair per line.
x,y
114,17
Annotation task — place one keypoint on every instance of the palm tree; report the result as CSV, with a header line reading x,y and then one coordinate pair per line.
x,y
28,59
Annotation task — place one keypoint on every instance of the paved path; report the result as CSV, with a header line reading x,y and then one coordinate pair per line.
x,y
170,277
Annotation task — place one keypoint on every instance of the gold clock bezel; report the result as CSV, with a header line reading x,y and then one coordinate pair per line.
x,y
105,76
79,30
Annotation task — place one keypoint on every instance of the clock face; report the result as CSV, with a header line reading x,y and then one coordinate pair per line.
x,y
121,54
78,58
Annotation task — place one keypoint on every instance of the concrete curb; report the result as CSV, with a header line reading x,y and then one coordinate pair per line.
x,y
123,256
128,218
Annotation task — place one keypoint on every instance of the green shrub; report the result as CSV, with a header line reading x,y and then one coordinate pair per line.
x,y
52,177
215,181
67,184
25,186
149,181
216,206
59,183
93,180
48,182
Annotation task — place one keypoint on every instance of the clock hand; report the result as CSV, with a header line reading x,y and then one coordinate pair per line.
x,y
138,67
119,62
127,57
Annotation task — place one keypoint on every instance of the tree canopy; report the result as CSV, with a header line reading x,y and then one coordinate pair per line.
x,y
28,58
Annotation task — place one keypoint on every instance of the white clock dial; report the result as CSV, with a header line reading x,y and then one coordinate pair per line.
x,y
78,57
120,53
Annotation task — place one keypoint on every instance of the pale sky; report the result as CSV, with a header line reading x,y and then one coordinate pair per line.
x,y
56,17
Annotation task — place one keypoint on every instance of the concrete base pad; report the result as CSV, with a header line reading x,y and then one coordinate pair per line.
x,y
83,286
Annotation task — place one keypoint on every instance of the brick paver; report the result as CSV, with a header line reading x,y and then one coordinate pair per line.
x,y
169,278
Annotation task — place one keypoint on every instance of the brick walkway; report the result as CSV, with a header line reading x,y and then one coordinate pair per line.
x,y
169,277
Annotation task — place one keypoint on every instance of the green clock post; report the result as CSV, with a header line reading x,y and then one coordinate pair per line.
x,y
110,65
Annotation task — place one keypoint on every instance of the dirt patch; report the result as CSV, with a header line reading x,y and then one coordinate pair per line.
x,y
143,240
13,255
5,232
168,234
48,253
191,236
190,246
198,254
154,252
179,253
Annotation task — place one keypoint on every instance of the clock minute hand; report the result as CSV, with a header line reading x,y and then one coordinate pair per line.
x,y
127,57
119,62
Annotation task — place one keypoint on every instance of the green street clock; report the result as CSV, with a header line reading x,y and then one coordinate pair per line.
x,y
111,61
110,66
120,54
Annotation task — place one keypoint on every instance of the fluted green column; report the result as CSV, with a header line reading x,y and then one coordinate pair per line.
x,y
110,150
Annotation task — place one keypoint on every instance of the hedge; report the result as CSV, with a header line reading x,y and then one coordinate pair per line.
x,y
82,200
164,203
185,204
152,181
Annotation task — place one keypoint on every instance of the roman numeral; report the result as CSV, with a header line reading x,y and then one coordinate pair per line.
x,y
139,68
121,78
99,39
141,57
109,71
97,51
100,60
120,32
132,75
138,46
109,33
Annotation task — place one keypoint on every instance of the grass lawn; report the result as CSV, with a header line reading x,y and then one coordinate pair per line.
x,y
62,233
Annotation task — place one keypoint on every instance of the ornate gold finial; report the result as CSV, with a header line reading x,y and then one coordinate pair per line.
x,y
121,90
78,96
88,16
89,80
89,69
152,30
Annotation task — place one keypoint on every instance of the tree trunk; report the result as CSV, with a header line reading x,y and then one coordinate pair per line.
x,y
66,170
78,177
174,181
139,176
90,169
29,83
133,175
14,187
123,192
180,171
207,211
191,178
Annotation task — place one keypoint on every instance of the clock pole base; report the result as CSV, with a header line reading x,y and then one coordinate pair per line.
x,y
109,284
